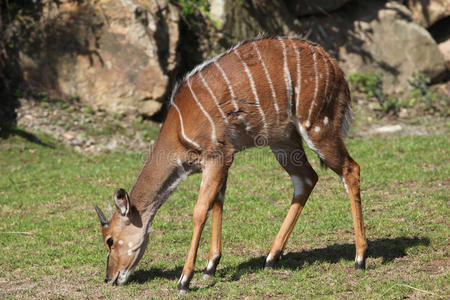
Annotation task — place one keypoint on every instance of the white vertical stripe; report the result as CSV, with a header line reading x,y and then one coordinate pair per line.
x,y
213,127
182,128
307,140
299,77
325,59
345,184
233,97
272,89
313,103
230,87
327,71
252,84
287,77
213,97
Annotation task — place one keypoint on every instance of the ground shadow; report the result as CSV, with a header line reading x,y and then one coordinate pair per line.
x,y
7,131
388,249
142,276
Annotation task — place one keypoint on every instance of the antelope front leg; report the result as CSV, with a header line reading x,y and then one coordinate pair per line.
x,y
212,179
215,253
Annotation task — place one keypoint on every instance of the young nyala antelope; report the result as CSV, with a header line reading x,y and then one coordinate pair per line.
x,y
269,91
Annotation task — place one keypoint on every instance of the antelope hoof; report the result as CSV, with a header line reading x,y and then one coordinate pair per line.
x,y
183,283
271,260
360,262
210,270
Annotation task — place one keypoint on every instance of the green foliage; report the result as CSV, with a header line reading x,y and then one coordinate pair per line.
x,y
371,86
426,97
420,82
89,110
150,131
189,7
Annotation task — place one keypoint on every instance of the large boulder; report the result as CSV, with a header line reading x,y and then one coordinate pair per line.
x,y
112,55
444,47
374,36
397,46
426,13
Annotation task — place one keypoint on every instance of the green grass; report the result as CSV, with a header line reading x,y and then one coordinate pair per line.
x,y
50,245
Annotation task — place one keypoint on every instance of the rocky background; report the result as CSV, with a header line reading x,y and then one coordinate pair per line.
x,y
122,57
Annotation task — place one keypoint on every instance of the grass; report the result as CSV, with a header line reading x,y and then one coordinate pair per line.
x,y
51,248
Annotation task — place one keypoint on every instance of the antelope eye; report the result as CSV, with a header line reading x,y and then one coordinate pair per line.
x,y
110,242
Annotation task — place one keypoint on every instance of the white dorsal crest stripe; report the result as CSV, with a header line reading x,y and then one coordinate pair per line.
x,y
213,127
287,77
182,129
299,76
272,89
233,97
316,88
255,93
213,97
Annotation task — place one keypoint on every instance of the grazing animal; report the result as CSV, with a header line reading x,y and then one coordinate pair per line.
x,y
274,91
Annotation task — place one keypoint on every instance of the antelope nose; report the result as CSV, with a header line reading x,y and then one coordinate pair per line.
x,y
106,280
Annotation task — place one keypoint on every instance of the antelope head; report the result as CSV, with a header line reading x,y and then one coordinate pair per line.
x,y
125,238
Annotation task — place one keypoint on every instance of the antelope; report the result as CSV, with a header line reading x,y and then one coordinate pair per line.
x,y
274,91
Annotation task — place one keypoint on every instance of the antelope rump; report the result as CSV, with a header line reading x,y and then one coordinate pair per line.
x,y
274,91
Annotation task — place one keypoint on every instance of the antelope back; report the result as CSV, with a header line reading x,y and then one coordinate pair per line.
x,y
258,89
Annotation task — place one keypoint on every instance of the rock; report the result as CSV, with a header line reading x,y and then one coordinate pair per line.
x,y
373,36
91,149
150,108
217,10
111,145
387,129
403,113
113,55
426,13
444,47
77,141
68,136
90,142
313,7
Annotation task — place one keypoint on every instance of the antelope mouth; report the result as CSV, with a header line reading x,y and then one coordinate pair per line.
x,y
122,277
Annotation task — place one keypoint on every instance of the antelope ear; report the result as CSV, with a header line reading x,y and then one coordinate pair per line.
x,y
122,201
103,221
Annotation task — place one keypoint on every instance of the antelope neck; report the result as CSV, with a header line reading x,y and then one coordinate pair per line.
x,y
157,179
